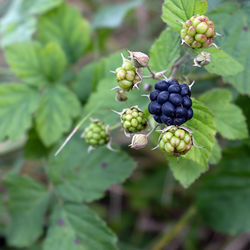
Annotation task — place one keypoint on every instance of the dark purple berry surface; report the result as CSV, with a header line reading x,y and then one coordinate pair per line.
x,y
171,103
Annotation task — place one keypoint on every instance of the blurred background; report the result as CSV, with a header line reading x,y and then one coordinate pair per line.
x,y
151,202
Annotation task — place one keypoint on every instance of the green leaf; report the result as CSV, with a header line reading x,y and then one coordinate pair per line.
x,y
18,24
17,103
203,125
76,227
67,27
186,171
229,119
223,198
36,65
232,23
176,11
27,203
54,116
111,16
189,167
222,63
216,154
79,176
88,78
165,51
102,102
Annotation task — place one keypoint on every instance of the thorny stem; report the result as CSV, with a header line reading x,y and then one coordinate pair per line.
x,y
170,235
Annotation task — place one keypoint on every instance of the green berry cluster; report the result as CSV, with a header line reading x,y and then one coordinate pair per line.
x,y
126,75
176,141
198,32
96,134
133,120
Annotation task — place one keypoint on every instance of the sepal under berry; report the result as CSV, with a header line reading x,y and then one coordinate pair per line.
x,y
97,134
133,120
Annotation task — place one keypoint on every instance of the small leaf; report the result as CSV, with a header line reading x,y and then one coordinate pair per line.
x,y
28,203
17,103
223,198
75,226
229,119
165,51
36,65
18,23
54,116
186,171
189,167
67,27
222,63
81,176
176,11
111,16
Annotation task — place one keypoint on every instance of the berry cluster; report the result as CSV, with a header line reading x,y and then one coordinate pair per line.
x,y
176,141
198,32
171,103
133,120
127,76
96,134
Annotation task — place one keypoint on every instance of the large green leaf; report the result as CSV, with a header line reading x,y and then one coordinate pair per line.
x,y
223,198
111,16
67,27
36,65
18,24
222,63
188,168
176,11
76,227
229,119
165,50
17,103
27,203
81,176
54,116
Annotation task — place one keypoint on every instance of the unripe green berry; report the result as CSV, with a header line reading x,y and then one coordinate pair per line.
x,y
125,84
201,28
96,134
197,31
133,120
176,141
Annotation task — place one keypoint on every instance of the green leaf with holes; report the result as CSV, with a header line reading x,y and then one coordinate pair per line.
x,y
165,51
81,176
75,227
54,117
28,201
229,119
189,167
36,65
17,103
174,12
68,28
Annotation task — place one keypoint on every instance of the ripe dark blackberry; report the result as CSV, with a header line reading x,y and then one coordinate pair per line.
x,y
171,103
